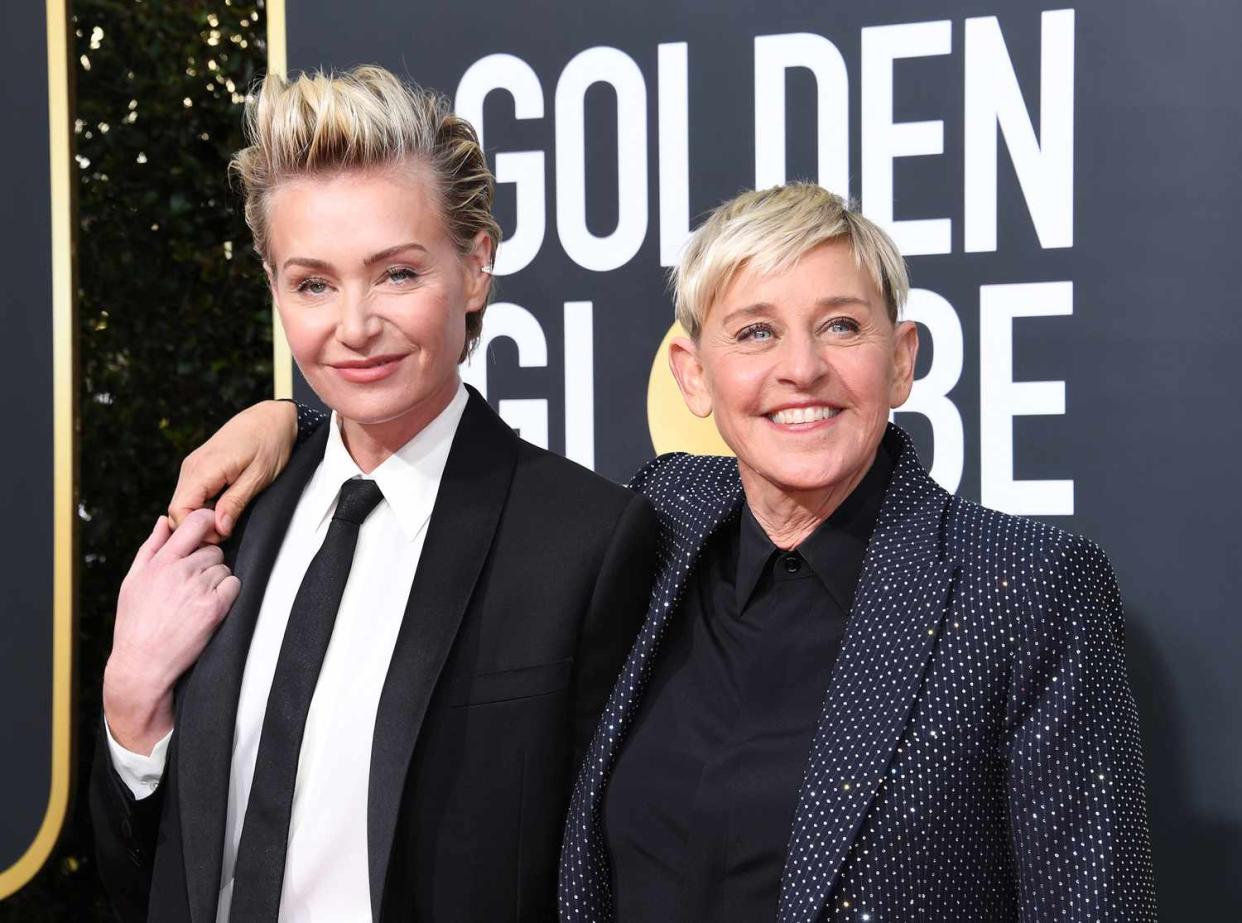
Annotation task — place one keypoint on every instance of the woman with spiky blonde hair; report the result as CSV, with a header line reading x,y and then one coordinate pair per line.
x,y
370,704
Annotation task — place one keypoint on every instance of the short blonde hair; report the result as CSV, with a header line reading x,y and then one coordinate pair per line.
x,y
365,118
768,230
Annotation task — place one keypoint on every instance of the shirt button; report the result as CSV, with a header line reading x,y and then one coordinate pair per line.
x,y
793,563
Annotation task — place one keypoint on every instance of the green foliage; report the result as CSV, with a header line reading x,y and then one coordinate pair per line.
x,y
173,318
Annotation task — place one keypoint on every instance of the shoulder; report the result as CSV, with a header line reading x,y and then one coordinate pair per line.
x,y
1062,576
567,489
683,470
975,533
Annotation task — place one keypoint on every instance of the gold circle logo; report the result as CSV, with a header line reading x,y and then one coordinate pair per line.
x,y
673,427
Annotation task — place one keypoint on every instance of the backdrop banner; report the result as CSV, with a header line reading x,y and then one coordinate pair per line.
x,y
36,405
1063,181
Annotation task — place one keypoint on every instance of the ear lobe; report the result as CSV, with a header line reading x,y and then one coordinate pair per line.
x,y
683,361
905,354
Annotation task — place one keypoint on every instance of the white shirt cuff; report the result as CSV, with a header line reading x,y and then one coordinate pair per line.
x,y
141,774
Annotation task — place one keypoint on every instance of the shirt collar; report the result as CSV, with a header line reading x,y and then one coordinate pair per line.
x,y
834,551
409,479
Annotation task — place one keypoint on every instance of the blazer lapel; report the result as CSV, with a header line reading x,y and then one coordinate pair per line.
x,y
693,497
472,495
893,629
207,706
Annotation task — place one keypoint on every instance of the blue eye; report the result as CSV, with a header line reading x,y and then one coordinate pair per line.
x,y
401,274
756,332
843,325
312,286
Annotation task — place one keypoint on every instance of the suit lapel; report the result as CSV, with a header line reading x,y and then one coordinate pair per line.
x,y
472,495
693,497
681,548
207,706
893,629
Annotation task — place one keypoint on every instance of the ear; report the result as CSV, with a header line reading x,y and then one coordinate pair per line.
x,y
905,352
478,266
683,361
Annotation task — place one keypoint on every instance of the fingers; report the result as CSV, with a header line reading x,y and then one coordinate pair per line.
x,y
213,576
155,541
234,500
227,590
194,491
189,535
204,473
261,435
203,558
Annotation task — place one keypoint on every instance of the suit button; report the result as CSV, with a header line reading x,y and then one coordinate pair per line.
x,y
135,856
793,563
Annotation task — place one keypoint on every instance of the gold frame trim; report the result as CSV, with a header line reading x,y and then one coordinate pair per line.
x,y
63,450
277,63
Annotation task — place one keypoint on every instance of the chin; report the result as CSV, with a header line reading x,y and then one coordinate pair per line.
x,y
809,471
806,481
373,413
365,406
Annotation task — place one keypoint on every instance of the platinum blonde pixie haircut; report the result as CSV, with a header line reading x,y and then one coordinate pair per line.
x,y
365,118
768,230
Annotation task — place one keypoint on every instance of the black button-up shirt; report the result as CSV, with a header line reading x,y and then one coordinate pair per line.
x,y
700,806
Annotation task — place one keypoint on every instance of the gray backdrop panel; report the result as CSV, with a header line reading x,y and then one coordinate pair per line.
x,y
26,541
1148,434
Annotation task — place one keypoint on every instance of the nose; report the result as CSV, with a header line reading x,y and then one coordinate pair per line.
x,y
802,362
358,323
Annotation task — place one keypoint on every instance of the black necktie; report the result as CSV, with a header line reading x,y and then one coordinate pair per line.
x,y
260,868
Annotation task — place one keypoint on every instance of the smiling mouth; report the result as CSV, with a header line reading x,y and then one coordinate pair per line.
x,y
367,371
370,363
802,416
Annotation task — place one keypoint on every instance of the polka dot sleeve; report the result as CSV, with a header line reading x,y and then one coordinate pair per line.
x,y
309,420
1077,810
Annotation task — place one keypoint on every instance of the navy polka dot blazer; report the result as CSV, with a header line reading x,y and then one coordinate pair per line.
x,y
978,753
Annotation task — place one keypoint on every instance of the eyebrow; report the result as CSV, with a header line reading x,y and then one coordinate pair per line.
x,y
323,266
391,252
764,307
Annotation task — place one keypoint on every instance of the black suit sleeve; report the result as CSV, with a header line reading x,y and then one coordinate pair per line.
x,y
618,608
126,829
1077,804
125,832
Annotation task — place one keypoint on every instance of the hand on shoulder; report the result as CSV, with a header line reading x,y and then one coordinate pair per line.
x,y
245,455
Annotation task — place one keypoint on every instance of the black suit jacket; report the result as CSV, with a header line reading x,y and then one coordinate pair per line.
x,y
533,580
977,757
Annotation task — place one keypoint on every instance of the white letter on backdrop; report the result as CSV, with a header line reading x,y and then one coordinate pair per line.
x,y
505,319
930,393
1001,398
580,383
618,70
775,54
1045,167
883,140
674,152
524,169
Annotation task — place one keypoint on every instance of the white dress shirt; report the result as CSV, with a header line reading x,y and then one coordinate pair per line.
x,y
326,870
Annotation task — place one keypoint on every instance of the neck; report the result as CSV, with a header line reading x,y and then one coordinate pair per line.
x,y
788,517
371,444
